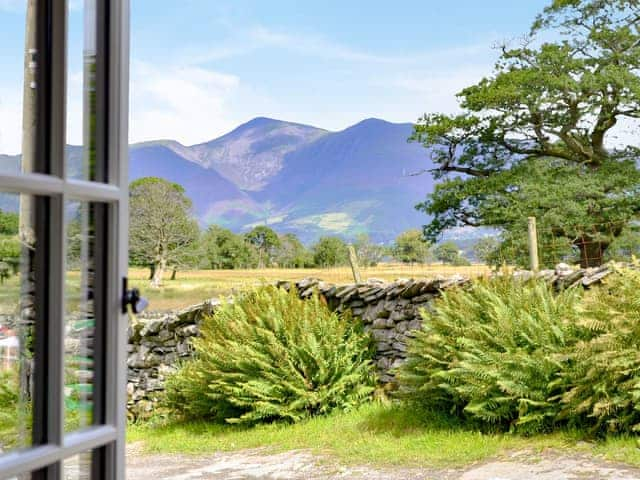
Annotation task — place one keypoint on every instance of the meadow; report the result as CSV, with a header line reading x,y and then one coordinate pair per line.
x,y
194,286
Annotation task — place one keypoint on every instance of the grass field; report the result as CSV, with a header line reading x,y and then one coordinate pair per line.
x,y
194,286
379,435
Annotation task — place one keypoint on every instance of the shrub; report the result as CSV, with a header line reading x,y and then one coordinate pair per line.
x,y
492,352
603,384
271,356
15,414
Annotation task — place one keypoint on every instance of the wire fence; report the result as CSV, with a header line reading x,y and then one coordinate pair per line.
x,y
584,245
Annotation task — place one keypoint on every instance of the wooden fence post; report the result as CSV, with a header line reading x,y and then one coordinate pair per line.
x,y
353,260
533,245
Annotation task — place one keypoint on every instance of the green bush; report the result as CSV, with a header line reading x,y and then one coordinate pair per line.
x,y
603,384
492,352
270,356
15,415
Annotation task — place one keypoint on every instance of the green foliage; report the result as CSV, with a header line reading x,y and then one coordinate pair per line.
x,y
411,247
448,252
626,246
14,413
161,230
265,240
603,384
9,223
369,254
330,252
272,356
10,247
226,250
291,253
531,138
491,353
486,250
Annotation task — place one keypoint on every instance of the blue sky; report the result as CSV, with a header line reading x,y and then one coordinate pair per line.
x,y
201,67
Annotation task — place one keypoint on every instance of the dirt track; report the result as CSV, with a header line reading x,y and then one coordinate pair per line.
x,y
299,465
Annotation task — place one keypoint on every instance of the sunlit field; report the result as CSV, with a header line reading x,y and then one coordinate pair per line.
x,y
194,286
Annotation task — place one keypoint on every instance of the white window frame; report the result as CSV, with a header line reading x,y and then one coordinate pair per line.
x,y
52,189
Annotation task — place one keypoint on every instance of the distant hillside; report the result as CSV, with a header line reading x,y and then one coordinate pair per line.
x,y
353,181
253,153
296,178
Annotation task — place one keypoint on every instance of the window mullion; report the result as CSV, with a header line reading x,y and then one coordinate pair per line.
x,y
56,310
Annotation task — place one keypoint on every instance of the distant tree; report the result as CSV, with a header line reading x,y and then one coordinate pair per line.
x,y
626,246
224,249
330,252
189,256
411,247
446,252
10,252
74,241
161,228
265,240
486,248
369,254
9,223
291,253
9,247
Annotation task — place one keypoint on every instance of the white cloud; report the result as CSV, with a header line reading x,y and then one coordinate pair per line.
x,y
188,104
260,37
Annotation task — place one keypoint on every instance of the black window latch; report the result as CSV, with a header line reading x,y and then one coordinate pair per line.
x,y
131,297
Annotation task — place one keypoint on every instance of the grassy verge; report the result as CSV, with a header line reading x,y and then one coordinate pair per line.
x,y
377,435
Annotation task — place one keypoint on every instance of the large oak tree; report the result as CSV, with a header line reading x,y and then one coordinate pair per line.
x,y
161,229
536,137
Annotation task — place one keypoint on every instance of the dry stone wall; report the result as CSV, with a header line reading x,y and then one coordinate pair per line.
x,y
389,310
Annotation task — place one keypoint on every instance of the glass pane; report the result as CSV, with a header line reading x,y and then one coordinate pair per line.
x,y
77,467
81,93
80,318
18,60
17,318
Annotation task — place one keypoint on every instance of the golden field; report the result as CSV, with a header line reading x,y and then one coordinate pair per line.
x,y
194,286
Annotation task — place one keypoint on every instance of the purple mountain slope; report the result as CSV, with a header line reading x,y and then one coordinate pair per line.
x,y
299,178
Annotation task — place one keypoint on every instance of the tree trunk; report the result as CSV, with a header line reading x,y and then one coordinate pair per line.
x,y
158,273
173,273
591,252
152,271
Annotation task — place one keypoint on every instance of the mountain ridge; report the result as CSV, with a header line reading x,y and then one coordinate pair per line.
x,y
294,177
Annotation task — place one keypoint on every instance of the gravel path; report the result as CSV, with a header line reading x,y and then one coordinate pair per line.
x,y
300,465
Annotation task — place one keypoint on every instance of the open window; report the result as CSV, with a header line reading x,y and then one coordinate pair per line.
x,y
63,216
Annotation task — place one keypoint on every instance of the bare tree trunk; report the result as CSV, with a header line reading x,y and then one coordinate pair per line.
x,y
158,273
174,273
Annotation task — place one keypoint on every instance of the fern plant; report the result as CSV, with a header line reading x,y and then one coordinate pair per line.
x,y
272,356
603,386
492,352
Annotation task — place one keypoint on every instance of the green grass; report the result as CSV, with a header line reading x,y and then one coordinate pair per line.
x,y
377,435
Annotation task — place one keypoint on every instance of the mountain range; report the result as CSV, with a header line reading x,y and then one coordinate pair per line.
x,y
298,178
293,177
